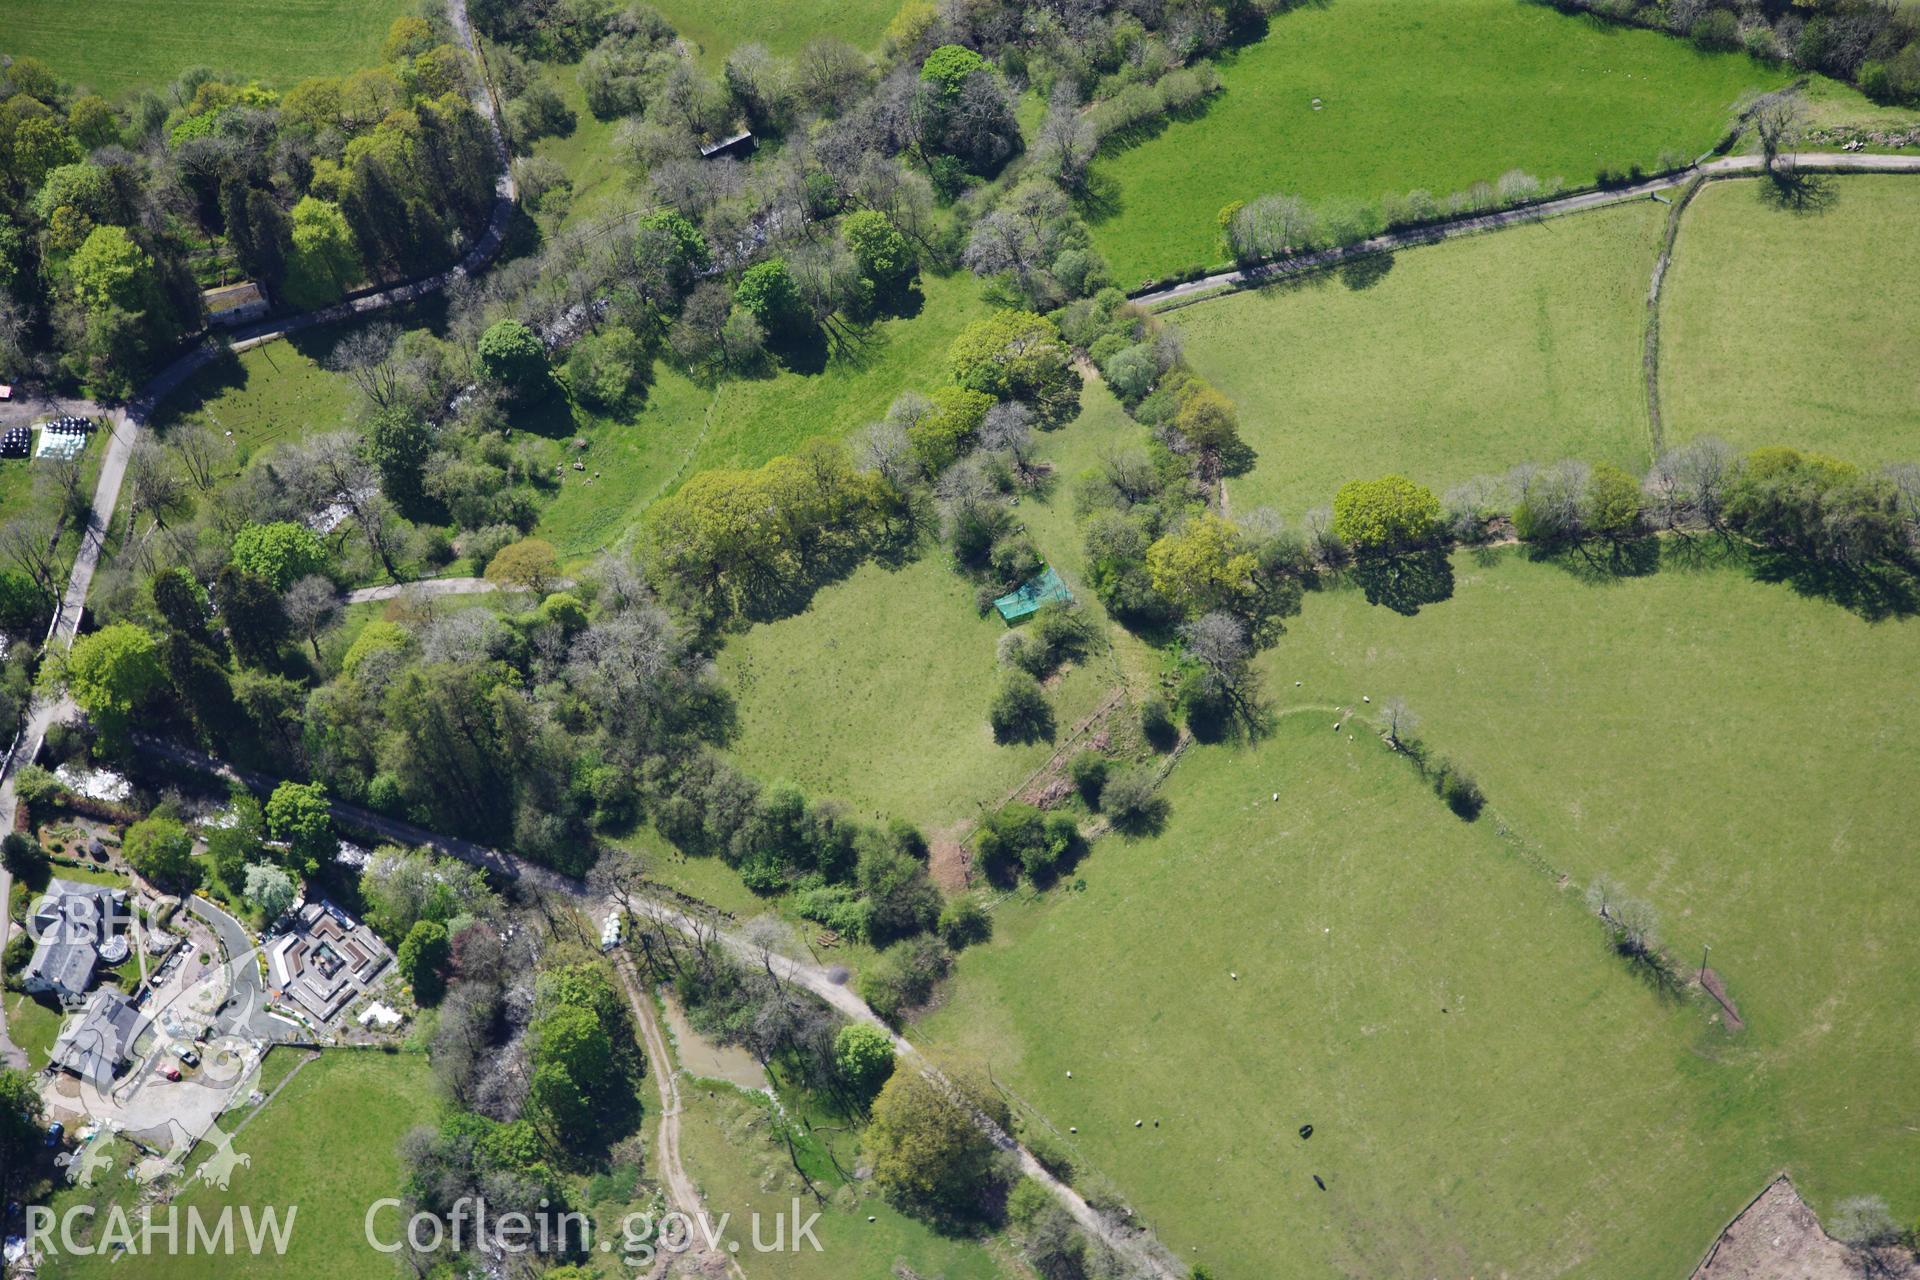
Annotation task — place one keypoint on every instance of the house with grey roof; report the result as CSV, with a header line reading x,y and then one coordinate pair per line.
x,y
96,1045
76,927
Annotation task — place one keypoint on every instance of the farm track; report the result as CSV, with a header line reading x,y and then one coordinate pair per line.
x,y
1225,282
682,1192
126,422
1138,1248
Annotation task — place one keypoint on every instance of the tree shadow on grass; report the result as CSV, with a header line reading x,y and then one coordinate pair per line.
x,y
1405,583
1274,277
1365,272
225,374
1598,563
547,413
1874,591
1796,192
804,353
1100,199
1237,458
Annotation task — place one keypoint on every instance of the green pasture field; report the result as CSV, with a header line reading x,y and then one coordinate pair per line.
x,y
273,394
685,428
1732,752
33,1027
1411,95
599,180
1441,362
329,1144
32,483
1491,1092
1796,325
877,696
717,27
114,45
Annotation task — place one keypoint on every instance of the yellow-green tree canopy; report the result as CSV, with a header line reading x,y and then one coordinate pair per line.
x,y
324,259
530,564
279,552
730,536
928,1153
161,850
1017,355
112,672
110,270
1387,514
1201,566
378,636
941,436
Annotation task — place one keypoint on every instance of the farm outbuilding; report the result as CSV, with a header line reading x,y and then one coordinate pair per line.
x,y
736,145
1040,589
235,303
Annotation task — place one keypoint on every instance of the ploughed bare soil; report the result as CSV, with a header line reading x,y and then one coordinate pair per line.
x,y
1778,1238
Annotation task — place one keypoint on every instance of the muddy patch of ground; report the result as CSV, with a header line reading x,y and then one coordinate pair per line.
x,y
1718,990
707,1060
1778,1238
950,861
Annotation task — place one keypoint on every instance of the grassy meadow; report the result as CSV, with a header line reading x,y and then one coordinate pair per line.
x,y
1796,326
877,696
273,394
1412,95
329,1144
33,1027
114,45
1441,362
586,154
717,27
1488,1087
1724,748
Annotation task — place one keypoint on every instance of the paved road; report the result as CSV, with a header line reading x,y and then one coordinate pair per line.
x,y
125,422
1726,166
24,408
245,1013
433,587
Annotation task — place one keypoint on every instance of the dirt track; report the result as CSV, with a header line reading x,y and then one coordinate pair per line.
x,y
682,1195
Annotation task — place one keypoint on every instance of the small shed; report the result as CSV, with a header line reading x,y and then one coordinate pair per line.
x,y
737,144
1040,589
234,303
